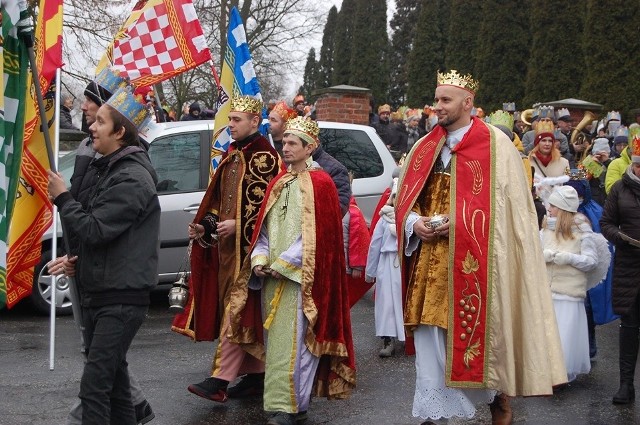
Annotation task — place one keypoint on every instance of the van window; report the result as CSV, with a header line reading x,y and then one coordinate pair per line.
x,y
176,159
354,149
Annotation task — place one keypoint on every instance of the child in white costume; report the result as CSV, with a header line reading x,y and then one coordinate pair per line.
x,y
570,251
383,265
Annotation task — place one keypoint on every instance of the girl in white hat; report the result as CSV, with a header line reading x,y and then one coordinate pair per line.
x,y
570,252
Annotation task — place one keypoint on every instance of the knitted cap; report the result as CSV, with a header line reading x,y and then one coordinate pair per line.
x,y
601,144
565,198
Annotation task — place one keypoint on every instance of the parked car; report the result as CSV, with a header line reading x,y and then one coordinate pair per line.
x,y
179,152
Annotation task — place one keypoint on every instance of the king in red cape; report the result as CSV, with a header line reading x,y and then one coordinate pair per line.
x,y
295,266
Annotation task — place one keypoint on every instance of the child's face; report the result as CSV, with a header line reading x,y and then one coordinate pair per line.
x,y
553,211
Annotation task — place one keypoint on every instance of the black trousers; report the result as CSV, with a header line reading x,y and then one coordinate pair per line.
x,y
104,388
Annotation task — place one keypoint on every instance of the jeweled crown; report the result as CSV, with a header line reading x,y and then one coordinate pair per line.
x,y
284,111
305,128
130,107
453,78
501,118
576,173
247,104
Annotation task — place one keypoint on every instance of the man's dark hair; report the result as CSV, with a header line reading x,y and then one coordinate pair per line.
x,y
130,137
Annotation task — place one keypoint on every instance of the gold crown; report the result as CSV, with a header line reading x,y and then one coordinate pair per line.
x,y
454,79
576,173
284,111
545,127
305,128
247,104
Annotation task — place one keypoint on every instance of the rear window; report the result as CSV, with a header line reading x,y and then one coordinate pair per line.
x,y
176,159
354,149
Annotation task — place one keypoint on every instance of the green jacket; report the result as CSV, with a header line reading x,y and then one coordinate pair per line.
x,y
616,169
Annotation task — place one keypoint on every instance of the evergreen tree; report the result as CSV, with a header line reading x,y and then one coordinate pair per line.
x,y
556,64
502,54
310,76
403,25
427,53
369,62
325,63
611,40
343,43
463,36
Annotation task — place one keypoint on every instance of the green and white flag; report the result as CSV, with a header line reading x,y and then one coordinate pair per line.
x,y
13,82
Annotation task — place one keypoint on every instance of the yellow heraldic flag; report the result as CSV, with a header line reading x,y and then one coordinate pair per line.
x,y
32,213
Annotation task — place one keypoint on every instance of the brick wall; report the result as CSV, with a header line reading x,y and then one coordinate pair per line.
x,y
346,104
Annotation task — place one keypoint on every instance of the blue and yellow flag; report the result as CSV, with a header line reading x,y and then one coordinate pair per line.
x,y
237,77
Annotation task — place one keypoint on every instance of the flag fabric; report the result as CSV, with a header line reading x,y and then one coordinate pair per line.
x,y
238,77
166,39
32,214
13,79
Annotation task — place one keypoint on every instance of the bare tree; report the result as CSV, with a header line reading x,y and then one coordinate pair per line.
x,y
278,33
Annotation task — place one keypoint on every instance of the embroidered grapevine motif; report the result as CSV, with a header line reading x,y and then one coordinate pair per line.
x,y
470,304
262,168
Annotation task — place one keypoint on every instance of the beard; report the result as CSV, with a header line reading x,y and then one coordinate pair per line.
x,y
449,119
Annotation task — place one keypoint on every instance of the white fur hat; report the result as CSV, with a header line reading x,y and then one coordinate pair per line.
x,y
565,198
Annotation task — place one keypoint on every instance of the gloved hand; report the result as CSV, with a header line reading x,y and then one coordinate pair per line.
x,y
562,258
548,255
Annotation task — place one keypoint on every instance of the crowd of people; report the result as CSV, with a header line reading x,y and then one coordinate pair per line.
x,y
279,247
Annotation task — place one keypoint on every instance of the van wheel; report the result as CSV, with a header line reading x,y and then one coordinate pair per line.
x,y
41,293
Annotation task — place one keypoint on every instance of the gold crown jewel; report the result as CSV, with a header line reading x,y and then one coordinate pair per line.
x,y
305,128
453,78
576,173
247,104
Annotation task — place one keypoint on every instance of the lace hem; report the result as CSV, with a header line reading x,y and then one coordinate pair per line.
x,y
436,403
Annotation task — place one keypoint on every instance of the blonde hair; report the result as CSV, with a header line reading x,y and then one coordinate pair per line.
x,y
564,224
555,152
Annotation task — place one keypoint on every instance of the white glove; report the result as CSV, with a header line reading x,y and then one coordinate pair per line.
x,y
548,255
562,258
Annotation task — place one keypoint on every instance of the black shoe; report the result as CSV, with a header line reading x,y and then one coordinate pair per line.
x,y
282,418
211,388
301,417
625,395
251,384
144,413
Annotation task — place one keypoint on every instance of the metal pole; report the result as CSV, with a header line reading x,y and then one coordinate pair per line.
x,y
28,39
54,239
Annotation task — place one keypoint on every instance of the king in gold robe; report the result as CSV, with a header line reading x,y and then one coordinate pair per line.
x,y
483,284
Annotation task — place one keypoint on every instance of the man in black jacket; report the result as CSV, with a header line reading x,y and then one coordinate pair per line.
x,y
83,181
117,241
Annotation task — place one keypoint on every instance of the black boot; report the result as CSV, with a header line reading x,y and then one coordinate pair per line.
x,y
628,356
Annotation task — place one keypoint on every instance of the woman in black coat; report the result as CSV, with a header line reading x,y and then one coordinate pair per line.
x,y
621,221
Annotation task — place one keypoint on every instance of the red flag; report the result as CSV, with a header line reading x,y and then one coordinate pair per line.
x,y
48,35
165,40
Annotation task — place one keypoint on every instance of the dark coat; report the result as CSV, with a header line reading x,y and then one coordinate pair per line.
x,y
65,119
622,214
117,230
339,174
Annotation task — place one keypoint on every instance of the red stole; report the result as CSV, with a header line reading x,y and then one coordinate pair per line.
x,y
470,247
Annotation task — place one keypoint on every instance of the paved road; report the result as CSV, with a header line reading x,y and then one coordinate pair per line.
x,y
166,363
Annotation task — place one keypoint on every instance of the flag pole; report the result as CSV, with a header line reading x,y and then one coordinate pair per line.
x,y
28,40
215,73
54,240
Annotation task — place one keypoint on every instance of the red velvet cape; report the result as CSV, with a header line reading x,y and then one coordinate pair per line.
x,y
201,319
329,334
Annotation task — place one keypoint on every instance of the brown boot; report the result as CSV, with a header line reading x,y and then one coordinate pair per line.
x,y
501,413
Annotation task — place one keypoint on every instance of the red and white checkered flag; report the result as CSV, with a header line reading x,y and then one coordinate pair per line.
x,y
164,41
